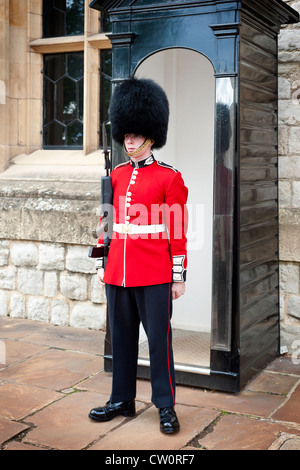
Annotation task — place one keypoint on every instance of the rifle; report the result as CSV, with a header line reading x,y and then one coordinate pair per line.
x,y
106,215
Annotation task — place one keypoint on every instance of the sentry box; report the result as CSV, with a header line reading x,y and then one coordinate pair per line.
x,y
217,62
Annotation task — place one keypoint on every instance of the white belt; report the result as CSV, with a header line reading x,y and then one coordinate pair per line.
x,y
138,229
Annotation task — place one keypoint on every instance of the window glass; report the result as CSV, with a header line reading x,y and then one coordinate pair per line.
x,y
63,18
63,100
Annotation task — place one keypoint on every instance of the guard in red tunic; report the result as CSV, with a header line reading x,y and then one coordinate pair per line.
x,y
147,260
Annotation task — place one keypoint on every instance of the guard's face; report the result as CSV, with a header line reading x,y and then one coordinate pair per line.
x,y
133,142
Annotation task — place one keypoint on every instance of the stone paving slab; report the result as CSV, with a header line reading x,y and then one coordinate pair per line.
x,y
86,341
279,384
23,400
53,369
286,441
290,411
9,429
102,383
65,423
247,402
142,432
16,328
234,432
54,375
20,351
284,364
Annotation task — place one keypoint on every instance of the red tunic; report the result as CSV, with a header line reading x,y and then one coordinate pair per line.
x,y
148,193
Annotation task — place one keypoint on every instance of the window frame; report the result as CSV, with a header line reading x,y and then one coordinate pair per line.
x,y
90,43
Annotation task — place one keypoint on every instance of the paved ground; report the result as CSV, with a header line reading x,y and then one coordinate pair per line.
x,y
53,376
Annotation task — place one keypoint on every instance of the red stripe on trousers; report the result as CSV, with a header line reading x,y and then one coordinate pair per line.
x,y
168,351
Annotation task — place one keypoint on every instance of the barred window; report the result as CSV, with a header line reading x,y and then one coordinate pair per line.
x,y
63,18
70,65
63,100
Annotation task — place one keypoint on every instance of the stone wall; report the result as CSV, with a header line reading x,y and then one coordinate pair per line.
x,y
50,282
47,214
289,181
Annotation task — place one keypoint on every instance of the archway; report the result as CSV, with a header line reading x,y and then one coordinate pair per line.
x,y
188,79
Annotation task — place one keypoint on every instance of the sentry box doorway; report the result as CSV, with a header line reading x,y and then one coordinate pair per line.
x,y
217,61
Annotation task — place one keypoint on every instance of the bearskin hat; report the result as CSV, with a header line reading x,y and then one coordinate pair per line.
x,y
139,106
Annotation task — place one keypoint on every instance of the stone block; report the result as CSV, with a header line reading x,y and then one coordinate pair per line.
x,y
73,286
30,281
295,140
283,140
38,309
295,88
85,315
50,284
77,260
289,167
49,211
7,279
289,278
59,220
289,225
285,194
288,334
60,312
17,306
294,307
289,40
52,256
24,254
284,88
289,111
296,194
4,253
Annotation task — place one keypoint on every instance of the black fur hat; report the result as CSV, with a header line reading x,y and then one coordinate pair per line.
x,y
139,106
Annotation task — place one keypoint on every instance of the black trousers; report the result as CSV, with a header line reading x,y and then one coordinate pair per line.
x,y
127,307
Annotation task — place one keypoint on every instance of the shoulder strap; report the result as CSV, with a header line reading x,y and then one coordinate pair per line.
x,y
165,165
121,164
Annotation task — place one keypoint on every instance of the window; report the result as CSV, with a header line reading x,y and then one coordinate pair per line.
x,y
76,57
63,100
63,18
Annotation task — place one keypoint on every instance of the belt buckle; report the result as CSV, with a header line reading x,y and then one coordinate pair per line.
x,y
126,228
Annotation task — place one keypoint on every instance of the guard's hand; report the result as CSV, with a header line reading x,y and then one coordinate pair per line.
x,y
178,289
100,276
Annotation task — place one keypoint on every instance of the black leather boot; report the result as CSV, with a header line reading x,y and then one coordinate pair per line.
x,y
110,410
169,423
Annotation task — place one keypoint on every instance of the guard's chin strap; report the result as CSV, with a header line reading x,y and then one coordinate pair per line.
x,y
136,152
